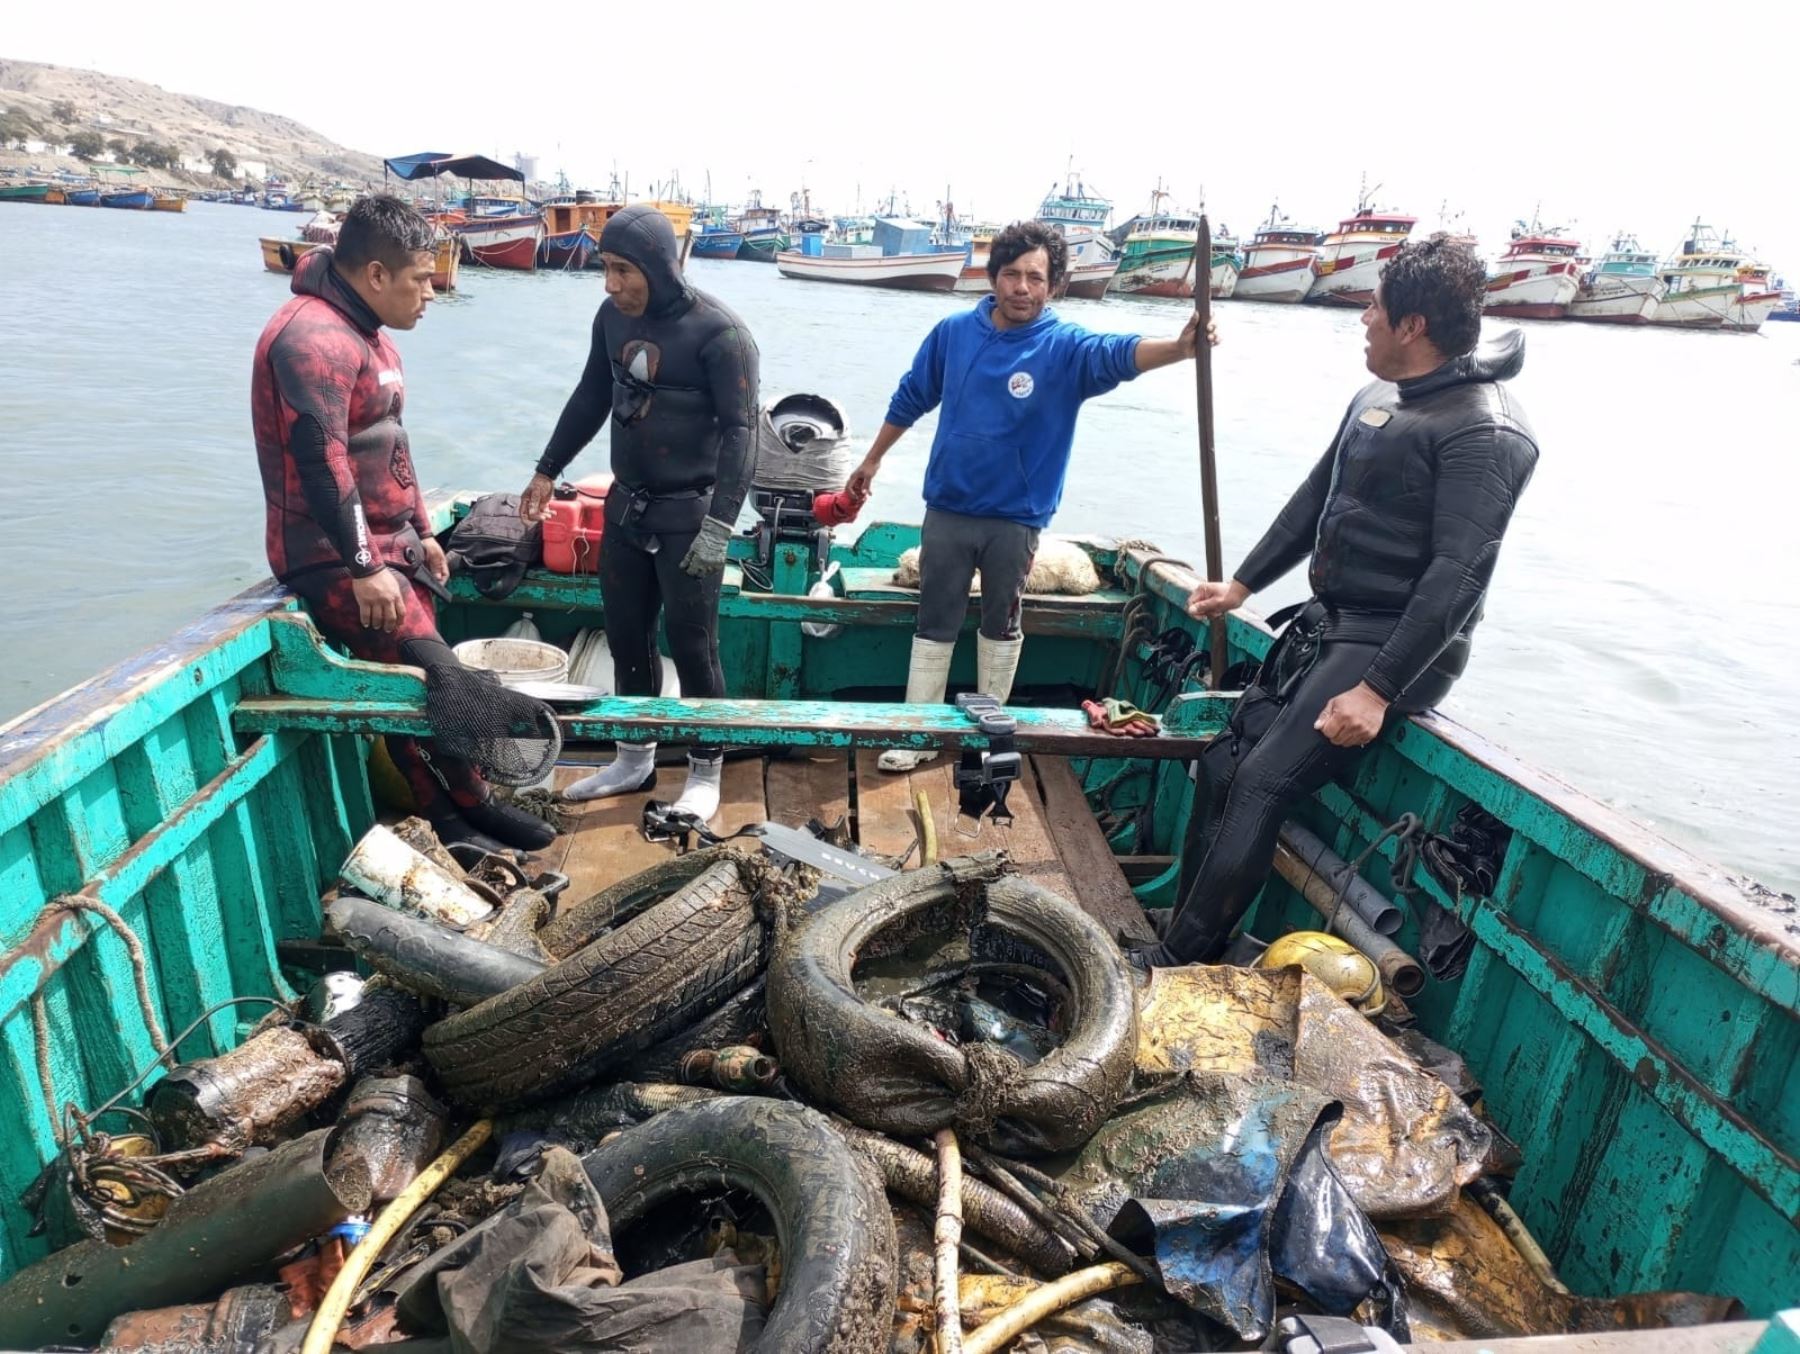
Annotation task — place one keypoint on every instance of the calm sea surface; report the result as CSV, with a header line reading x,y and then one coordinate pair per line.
x,y
1643,632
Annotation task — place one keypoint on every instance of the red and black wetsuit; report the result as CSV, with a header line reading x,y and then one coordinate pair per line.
x,y
343,500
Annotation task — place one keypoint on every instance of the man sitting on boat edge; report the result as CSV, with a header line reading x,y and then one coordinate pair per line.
x,y
347,527
1402,519
1001,452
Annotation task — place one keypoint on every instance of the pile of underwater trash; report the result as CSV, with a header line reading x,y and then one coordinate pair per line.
x,y
739,1101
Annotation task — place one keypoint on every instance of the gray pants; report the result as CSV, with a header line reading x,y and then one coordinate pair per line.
x,y
952,548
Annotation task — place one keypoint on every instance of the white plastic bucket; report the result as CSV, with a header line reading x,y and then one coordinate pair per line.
x,y
391,872
515,660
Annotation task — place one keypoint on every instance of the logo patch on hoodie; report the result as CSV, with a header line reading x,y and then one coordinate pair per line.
x,y
1020,385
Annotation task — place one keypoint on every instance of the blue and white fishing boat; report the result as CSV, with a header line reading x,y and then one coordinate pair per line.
x,y
1623,289
716,237
1081,215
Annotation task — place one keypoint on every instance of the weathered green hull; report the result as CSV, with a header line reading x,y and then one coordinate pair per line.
x,y
1631,1014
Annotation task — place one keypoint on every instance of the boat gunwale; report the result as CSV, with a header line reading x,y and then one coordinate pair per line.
x,y
1663,862
29,740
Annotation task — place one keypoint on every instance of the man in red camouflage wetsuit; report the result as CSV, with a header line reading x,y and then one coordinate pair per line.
x,y
347,526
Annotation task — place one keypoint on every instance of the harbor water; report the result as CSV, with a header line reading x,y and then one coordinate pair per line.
x,y
1643,633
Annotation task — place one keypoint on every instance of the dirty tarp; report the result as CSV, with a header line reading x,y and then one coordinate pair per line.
x,y
1200,1171
1405,1143
541,1276
1325,1246
1466,1280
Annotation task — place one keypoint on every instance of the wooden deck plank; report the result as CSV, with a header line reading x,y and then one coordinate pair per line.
x,y
1027,840
605,840
885,825
741,800
798,787
1098,884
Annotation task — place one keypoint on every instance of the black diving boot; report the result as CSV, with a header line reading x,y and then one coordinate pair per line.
x,y
509,823
452,827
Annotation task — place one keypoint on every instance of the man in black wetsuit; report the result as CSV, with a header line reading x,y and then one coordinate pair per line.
x,y
1402,519
677,373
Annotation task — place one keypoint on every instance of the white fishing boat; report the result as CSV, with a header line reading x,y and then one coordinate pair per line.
x,y
1278,263
1622,289
902,258
1712,284
1352,256
1537,276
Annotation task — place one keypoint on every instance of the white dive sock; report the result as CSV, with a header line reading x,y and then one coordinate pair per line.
x,y
700,796
633,768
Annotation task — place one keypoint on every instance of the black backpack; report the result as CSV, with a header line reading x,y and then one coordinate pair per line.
x,y
494,545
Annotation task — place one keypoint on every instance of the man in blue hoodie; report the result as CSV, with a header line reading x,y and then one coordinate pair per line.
x,y
1011,378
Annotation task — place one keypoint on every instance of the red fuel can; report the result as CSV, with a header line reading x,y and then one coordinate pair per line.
x,y
577,518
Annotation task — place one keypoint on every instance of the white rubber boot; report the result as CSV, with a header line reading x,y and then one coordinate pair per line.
x,y
632,769
996,660
927,679
700,797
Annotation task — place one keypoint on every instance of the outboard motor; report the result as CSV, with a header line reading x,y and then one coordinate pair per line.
x,y
803,460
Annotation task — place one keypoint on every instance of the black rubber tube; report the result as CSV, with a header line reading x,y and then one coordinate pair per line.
x,y
427,958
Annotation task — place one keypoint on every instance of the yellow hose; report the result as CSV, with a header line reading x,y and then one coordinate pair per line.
x,y
992,1336
325,1322
927,829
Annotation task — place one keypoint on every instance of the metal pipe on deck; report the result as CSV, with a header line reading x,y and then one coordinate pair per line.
x,y
1370,904
1399,970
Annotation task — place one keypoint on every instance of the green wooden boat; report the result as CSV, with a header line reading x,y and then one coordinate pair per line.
x,y
1629,1009
24,192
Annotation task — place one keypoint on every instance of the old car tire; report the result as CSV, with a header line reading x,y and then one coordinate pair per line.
x,y
581,924
838,1253
628,990
901,1079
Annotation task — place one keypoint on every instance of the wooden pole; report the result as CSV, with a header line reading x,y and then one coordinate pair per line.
x,y
1209,476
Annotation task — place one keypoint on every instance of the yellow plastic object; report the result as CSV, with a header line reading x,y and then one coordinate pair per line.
x,y
322,1333
386,783
1334,961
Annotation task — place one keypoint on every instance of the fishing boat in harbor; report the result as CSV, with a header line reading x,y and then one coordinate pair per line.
x,y
168,202
280,255
1787,308
764,235
1158,257
572,231
493,230
1537,276
1351,257
1082,217
1623,288
129,199
24,192
1622,1013
1278,261
1712,284
82,197
716,236
901,257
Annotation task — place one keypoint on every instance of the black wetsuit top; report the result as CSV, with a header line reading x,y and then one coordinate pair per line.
x,y
680,383
1404,514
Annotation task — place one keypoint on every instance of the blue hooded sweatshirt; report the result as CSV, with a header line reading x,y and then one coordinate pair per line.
x,y
1010,397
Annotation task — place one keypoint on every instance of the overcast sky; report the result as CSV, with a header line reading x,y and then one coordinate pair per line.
x,y
1623,115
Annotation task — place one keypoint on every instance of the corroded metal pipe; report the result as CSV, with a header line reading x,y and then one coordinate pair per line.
x,y
226,1230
